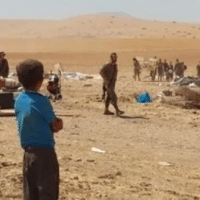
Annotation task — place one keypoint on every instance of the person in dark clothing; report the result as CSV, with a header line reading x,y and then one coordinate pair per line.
x,y
136,68
160,70
171,71
198,70
4,68
166,70
109,74
184,67
178,69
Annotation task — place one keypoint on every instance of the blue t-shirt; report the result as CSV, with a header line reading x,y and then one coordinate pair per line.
x,y
34,114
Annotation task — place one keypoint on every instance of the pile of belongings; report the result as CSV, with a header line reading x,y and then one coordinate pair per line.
x,y
187,81
9,89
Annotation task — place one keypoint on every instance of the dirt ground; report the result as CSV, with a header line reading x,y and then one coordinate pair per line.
x,y
152,152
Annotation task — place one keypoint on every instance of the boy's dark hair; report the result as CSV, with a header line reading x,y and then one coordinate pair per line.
x,y
113,54
30,72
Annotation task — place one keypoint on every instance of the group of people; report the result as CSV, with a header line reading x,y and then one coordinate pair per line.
x,y
163,70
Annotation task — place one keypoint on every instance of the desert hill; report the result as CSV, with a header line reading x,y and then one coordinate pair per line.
x,y
87,40
97,25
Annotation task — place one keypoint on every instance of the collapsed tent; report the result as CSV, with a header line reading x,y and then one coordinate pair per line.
x,y
186,81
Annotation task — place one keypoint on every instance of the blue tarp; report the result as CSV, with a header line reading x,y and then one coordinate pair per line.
x,y
144,98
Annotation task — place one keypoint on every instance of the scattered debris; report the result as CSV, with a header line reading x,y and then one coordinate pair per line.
x,y
167,93
8,163
97,150
164,163
186,81
87,85
107,176
6,112
90,160
80,76
75,178
118,174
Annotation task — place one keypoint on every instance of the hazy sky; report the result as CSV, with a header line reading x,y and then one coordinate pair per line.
x,y
166,10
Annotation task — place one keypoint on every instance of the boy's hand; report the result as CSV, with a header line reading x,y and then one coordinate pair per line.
x,y
57,125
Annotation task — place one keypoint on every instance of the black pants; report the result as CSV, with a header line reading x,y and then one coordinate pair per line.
x,y
136,74
111,96
40,174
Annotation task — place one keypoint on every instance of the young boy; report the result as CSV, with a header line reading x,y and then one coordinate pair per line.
x,y
37,123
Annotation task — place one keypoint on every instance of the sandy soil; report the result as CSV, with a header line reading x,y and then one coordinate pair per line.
x,y
138,147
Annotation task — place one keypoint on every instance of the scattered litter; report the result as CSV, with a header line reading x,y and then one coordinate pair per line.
x,y
87,85
97,150
164,163
75,76
193,85
79,76
118,173
7,112
107,176
90,160
8,163
167,93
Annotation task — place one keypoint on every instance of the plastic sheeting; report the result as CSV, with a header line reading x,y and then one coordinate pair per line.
x,y
144,98
79,76
186,81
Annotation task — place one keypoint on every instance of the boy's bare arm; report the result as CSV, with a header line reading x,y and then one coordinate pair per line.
x,y
57,125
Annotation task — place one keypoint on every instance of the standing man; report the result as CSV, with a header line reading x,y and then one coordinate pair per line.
x,y
136,68
153,67
184,67
198,70
4,68
178,69
109,74
166,70
171,70
160,70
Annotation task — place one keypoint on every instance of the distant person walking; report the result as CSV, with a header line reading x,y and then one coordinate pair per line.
x,y
136,69
109,74
4,68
